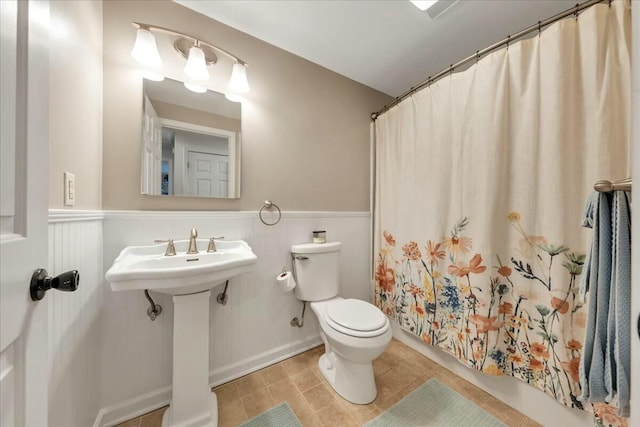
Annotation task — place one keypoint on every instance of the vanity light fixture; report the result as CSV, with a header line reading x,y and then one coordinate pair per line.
x,y
233,97
198,53
435,8
196,67
195,88
423,4
145,51
238,82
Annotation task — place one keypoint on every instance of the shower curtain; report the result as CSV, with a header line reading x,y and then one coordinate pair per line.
x,y
481,180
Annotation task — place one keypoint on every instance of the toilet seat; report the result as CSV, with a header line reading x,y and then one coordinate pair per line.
x,y
356,318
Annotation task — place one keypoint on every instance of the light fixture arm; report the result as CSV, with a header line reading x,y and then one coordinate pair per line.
x,y
195,40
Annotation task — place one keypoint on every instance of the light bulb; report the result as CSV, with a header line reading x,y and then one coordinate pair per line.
x,y
145,50
238,82
196,67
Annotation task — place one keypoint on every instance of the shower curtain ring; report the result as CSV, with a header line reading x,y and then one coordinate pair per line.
x,y
539,27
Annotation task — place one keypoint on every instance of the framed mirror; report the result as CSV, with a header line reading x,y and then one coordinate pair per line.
x,y
190,142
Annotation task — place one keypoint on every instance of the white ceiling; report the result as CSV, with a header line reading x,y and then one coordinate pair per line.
x,y
387,45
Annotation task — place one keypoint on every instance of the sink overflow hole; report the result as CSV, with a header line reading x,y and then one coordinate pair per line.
x,y
193,259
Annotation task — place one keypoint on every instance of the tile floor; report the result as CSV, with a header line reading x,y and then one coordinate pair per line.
x,y
399,370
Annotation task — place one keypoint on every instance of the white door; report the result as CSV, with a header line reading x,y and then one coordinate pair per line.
x,y
151,167
208,174
24,198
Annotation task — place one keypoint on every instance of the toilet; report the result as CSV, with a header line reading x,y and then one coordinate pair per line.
x,y
354,332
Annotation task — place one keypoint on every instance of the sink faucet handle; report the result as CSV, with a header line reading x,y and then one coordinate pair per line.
x,y
212,244
171,249
194,233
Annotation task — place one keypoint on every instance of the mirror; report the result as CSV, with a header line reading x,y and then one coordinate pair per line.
x,y
190,142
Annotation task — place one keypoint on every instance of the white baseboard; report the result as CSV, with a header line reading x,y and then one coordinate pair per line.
x,y
147,402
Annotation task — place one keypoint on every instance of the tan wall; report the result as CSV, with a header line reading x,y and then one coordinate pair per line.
x,y
75,95
196,117
305,129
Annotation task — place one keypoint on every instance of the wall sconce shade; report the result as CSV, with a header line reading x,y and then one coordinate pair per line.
x,y
153,75
238,82
232,97
195,88
196,67
199,55
145,50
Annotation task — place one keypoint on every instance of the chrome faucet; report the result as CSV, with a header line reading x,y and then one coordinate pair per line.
x,y
193,247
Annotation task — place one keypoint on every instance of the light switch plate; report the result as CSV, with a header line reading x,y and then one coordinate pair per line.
x,y
69,189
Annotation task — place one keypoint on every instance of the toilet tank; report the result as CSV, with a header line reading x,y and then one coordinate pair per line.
x,y
316,270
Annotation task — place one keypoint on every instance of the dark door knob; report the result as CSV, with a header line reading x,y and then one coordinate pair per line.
x,y
41,282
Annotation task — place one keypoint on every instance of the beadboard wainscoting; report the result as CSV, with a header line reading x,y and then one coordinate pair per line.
x,y
251,331
75,243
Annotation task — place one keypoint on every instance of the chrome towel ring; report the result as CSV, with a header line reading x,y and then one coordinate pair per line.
x,y
268,205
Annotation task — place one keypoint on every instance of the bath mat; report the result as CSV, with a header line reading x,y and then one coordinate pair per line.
x,y
434,404
279,416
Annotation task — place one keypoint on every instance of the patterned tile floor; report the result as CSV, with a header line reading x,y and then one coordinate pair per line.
x,y
399,370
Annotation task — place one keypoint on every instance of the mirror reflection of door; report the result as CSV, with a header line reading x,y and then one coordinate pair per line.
x,y
198,160
208,174
151,150
179,124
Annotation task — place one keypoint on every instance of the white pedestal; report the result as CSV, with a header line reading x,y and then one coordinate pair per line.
x,y
192,402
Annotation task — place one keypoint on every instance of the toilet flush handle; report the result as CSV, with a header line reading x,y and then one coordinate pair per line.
x,y
301,257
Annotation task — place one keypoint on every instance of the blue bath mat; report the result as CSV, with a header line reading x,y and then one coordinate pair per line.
x,y
436,405
280,416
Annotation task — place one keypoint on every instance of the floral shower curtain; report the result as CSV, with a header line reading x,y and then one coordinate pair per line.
x,y
481,180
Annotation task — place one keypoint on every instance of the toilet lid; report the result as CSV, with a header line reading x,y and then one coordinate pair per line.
x,y
356,315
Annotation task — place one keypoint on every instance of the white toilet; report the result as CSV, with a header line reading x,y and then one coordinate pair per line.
x,y
354,332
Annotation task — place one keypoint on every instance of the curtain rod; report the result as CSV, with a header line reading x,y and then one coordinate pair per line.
x,y
476,56
605,186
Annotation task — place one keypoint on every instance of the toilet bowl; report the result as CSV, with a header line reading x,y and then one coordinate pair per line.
x,y
354,332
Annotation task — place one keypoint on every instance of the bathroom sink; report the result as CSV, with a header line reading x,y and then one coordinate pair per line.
x,y
146,267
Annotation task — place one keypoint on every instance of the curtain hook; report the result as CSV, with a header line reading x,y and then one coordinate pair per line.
x,y
508,40
577,10
451,70
539,28
477,56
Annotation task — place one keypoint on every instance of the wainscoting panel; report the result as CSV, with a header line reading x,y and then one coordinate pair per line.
x,y
75,243
251,331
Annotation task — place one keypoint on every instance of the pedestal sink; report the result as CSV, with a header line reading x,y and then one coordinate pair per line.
x,y
189,278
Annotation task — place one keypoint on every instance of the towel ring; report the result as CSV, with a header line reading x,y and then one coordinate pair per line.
x,y
267,205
